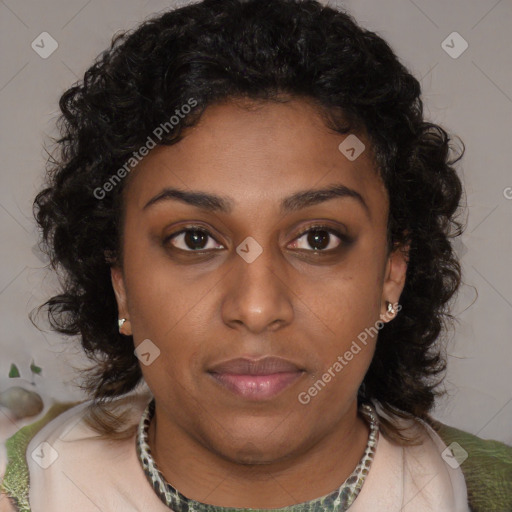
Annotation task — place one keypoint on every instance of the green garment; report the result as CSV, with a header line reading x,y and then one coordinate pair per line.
x,y
487,469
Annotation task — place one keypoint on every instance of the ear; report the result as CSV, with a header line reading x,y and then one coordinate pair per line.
x,y
394,279
118,285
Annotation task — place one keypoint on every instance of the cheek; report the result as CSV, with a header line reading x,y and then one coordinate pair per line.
x,y
168,309
343,305
346,313
157,296
343,353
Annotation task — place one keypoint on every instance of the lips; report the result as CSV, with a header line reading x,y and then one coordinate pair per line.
x,y
264,366
258,379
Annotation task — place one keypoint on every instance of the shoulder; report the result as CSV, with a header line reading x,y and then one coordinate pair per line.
x,y
42,456
430,483
411,478
13,467
486,465
452,463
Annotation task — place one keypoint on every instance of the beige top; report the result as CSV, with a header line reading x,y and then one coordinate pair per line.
x,y
88,474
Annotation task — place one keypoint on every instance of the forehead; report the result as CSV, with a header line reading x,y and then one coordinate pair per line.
x,y
257,153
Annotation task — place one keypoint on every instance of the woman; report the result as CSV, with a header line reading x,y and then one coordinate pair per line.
x,y
253,220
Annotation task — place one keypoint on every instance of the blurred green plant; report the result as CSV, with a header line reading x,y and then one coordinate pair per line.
x,y
21,402
14,373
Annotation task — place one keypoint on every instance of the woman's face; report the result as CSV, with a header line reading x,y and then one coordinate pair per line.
x,y
248,280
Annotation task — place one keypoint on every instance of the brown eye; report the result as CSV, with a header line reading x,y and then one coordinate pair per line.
x,y
319,238
193,239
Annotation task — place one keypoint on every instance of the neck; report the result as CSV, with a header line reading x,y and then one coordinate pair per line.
x,y
202,475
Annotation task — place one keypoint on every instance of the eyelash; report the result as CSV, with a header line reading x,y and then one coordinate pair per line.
x,y
344,239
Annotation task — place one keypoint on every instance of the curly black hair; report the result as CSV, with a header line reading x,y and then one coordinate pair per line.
x,y
264,50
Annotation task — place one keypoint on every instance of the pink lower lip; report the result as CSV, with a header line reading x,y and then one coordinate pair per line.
x,y
257,387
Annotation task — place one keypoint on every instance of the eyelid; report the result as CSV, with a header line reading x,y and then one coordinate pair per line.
x,y
344,239
319,227
191,227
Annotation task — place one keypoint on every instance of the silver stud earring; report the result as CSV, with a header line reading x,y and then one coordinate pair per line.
x,y
390,313
120,322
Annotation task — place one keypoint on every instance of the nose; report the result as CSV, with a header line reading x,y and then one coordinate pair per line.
x,y
258,295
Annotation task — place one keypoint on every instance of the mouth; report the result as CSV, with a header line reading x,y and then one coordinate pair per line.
x,y
259,379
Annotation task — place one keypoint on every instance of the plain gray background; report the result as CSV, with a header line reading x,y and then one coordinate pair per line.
x,y
470,96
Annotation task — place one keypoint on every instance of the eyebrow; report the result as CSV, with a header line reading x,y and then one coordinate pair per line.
x,y
298,200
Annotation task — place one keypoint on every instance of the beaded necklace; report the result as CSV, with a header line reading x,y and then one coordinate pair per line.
x,y
336,501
